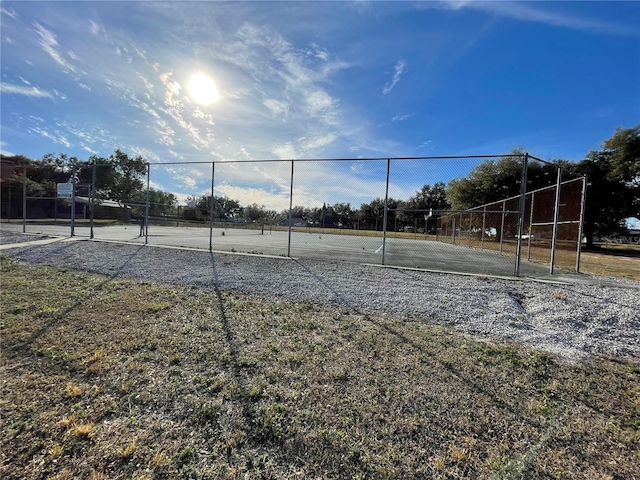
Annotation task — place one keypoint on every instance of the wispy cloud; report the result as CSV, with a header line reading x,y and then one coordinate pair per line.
x,y
285,151
279,108
427,145
49,44
399,69
527,12
319,141
288,77
29,91
399,118
9,12
95,28
55,136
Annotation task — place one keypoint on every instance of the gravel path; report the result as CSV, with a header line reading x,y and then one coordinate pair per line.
x,y
597,316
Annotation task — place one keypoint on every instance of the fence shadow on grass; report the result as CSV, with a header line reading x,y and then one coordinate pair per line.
x,y
461,376
22,347
232,344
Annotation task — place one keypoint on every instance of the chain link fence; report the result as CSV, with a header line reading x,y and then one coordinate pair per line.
x,y
381,211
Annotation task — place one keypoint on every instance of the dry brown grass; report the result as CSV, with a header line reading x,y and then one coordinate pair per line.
x,y
223,385
621,261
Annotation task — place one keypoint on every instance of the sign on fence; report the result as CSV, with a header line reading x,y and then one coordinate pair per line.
x,y
65,190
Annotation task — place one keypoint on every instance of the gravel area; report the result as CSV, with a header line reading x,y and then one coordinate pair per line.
x,y
7,238
595,316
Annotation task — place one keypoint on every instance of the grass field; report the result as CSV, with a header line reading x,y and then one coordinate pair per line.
x,y
115,379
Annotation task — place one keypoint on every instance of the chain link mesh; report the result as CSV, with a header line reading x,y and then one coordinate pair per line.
x,y
403,212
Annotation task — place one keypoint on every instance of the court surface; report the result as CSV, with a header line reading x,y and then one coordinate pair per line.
x,y
402,252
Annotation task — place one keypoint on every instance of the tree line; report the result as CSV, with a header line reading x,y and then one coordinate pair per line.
x,y
613,189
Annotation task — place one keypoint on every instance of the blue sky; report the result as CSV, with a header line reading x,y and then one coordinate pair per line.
x,y
315,80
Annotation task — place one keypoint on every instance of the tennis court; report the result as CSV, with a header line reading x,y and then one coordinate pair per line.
x,y
415,251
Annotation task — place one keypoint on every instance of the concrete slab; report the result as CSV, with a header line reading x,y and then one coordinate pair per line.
x,y
404,252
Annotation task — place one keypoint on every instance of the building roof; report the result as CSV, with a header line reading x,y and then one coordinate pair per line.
x,y
102,202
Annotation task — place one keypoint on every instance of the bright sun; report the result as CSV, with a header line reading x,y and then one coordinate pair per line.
x,y
202,89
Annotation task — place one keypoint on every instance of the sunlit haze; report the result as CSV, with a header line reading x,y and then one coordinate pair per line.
x,y
202,89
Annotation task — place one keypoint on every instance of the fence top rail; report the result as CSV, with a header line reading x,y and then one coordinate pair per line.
x,y
447,212
376,159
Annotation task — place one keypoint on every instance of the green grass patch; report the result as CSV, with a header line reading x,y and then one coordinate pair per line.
x,y
107,378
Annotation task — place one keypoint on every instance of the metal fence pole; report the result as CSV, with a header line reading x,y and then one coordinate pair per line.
x,y
386,210
213,175
93,197
523,199
581,223
504,208
469,229
533,196
484,224
454,230
556,214
290,211
24,199
146,207
73,200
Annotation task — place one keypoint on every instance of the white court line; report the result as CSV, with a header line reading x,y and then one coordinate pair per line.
x,y
379,248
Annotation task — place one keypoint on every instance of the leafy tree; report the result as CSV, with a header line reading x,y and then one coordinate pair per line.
x,y
42,175
345,216
490,181
428,197
128,176
297,211
623,154
255,213
494,180
613,184
272,217
106,176
371,214
118,178
161,203
224,208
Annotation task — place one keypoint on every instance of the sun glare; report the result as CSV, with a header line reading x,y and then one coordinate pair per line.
x,y
202,89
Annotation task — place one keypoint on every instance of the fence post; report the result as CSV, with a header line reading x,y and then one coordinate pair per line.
x,y
73,199
533,196
556,214
93,197
146,207
504,207
469,229
454,229
24,199
484,224
523,193
213,174
580,225
290,210
386,210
